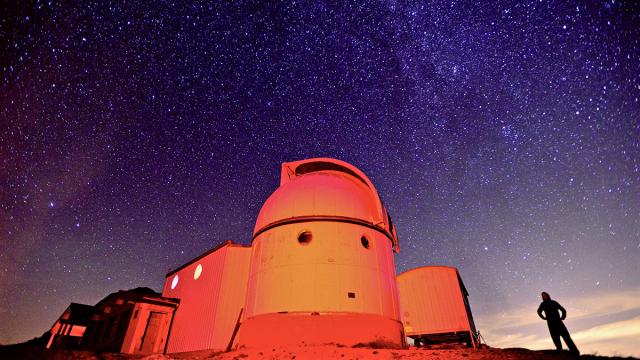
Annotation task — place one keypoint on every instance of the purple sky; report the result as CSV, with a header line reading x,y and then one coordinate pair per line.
x,y
504,140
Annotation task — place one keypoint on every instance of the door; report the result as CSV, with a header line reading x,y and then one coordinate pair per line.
x,y
150,337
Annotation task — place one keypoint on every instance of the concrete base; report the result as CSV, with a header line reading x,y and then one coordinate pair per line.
x,y
348,329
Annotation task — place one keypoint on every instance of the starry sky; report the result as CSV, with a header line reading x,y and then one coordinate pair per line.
x,y
504,140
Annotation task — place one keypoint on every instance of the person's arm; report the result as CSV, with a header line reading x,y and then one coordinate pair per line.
x,y
563,312
540,313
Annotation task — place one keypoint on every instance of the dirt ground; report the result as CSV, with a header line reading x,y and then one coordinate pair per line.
x,y
303,353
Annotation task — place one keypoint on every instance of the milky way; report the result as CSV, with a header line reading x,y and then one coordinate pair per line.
x,y
504,140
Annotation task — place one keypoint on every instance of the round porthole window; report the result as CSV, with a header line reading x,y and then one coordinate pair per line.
x,y
365,242
197,272
174,282
305,237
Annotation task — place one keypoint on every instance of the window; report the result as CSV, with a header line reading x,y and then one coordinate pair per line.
x,y
315,166
305,237
174,283
196,274
364,241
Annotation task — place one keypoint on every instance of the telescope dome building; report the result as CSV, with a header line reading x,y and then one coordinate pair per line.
x,y
322,264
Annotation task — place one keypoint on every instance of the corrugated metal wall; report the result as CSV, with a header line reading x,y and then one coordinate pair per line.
x,y
431,301
209,305
234,290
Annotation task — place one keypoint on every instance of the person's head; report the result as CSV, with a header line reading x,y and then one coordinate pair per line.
x,y
545,296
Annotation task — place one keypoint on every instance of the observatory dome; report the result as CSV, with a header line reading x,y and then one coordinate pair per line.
x,y
324,189
322,267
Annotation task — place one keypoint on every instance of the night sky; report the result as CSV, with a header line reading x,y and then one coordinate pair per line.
x,y
504,140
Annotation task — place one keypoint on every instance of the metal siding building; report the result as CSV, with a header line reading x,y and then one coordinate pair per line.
x,y
134,321
322,267
211,289
68,330
434,305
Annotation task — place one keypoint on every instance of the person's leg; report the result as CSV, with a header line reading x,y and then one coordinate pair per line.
x,y
567,339
555,336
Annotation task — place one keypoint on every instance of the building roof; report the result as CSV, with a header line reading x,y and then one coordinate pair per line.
x,y
324,189
439,268
78,314
206,253
139,294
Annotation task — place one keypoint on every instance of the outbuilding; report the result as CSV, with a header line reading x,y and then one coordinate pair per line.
x,y
211,289
435,307
134,321
67,331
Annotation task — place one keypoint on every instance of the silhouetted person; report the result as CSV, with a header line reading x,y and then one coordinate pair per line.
x,y
557,329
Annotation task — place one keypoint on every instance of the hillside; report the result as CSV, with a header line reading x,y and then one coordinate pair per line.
x,y
319,352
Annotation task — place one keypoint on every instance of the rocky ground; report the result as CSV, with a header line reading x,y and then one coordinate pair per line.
x,y
316,352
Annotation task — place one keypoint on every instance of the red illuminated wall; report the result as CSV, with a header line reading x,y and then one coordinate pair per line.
x,y
432,301
209,305
140,337
340,285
